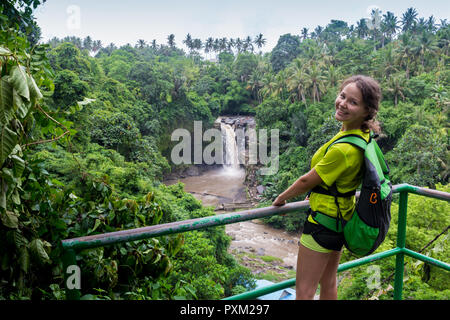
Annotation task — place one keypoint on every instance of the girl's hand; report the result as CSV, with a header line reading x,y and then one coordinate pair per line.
x,y
278,202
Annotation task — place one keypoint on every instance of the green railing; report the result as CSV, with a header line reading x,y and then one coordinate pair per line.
x,y
72,246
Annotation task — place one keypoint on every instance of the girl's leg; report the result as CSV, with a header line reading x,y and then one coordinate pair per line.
x,y
310,268
328,285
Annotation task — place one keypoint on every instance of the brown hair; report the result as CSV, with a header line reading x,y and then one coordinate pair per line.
x,y
371,94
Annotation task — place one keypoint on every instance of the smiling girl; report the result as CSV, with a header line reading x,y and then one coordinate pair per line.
x,y
341,166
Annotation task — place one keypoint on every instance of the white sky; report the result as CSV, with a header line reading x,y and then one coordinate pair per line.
x,y
127,21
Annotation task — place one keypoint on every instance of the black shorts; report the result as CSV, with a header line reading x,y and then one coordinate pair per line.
x,y
327,238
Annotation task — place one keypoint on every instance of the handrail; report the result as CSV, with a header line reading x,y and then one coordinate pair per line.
x,y
100,240
71,246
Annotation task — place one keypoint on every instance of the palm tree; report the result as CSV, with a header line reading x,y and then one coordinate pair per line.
x,y
255,84
427,46
141,44
96,45
216,45
223,44
387,65
110,48
296,81
405,52
361,29
197,44
171,40
279,86
259,41
209,44
431,24
231,45
374,24
268,82
312,51
389,25
305,33
317,33
326,55
315,80
421,25
238,45
154,45
333,76
248,44
440,95
87,43
409,18
188,42
396,85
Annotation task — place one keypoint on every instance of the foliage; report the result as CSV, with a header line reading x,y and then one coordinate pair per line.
x,y
85,143
69,89
287,48
39,210
419,157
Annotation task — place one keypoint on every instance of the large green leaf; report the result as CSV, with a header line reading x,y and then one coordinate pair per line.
x,y
20,106
8,141
34,89
5,51
6,101
19,165
19,80
37,249
24,259
9,219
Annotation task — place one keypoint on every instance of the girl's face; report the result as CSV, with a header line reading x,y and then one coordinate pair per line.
x,y
350,108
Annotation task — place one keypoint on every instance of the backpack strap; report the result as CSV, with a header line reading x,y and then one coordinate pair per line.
x,y
352,139
325,220
333,192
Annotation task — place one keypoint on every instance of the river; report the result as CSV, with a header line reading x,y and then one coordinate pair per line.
x,y
217,186
222,186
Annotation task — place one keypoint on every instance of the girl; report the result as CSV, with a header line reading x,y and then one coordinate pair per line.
x,y
341,166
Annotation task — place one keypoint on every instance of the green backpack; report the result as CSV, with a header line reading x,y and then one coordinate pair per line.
x,y
369,224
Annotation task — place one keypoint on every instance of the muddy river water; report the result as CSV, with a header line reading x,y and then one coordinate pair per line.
x,y
217,186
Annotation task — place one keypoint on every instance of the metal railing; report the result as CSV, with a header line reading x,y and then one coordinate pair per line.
x,y
72,246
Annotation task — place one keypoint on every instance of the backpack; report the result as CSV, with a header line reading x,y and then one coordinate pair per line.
x,y
369,224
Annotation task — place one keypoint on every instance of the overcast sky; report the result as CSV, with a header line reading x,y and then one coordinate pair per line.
x,y
127,21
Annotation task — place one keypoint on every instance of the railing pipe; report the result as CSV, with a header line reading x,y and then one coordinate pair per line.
x,y
211,221
71,246
401,241
291,282
431,193
100,240
427,259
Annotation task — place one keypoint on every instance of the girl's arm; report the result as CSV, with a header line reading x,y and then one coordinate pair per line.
x,y
302,185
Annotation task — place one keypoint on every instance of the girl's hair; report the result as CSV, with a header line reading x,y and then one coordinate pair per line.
x,y
371,94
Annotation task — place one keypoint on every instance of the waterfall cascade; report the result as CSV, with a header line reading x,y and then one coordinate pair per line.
x,y
231,151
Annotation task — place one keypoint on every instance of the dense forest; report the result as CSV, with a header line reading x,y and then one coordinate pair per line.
x,y
85,145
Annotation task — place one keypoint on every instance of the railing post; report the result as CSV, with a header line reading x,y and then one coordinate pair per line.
x,y
72,275
401,240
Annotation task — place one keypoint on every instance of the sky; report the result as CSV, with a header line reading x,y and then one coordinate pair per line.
x,y
122,22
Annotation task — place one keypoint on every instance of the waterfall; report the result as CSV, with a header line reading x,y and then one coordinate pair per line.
x,y
231,151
